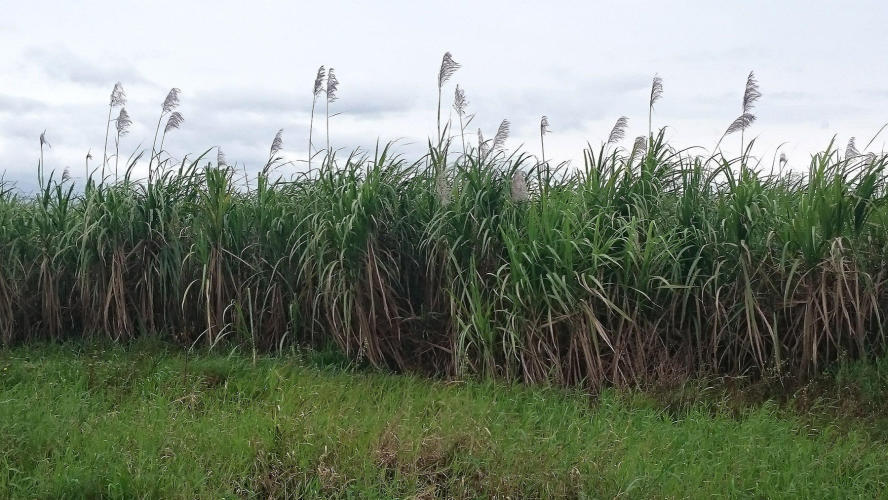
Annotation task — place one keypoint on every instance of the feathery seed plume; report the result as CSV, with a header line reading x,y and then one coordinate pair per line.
x,y
332,86
278,143
66,174
741,123
44,141
640,146
544,125
619,131
459,101
118,95
519,190
751,94
656,90
175,121
782,160
448,68
851,150
319,81
172,100
123,122
220,157
502,133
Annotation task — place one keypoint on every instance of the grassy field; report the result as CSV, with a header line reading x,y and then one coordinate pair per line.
x,y
148,421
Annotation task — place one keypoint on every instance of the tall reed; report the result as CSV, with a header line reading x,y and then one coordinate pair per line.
x,y
656,95
123,124
316,92
118,98
170,103
447,69
332,88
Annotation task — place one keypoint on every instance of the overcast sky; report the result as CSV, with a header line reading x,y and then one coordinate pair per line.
x,y
246,69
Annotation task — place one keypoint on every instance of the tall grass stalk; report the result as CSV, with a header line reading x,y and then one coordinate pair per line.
x,y
118,98
656,94
750,95
332,87
170,103
41,165
460,102
447,69
123,123
544,129
316,92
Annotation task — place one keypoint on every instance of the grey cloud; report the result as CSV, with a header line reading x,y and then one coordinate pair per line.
x,y
59,63
17,105
377,103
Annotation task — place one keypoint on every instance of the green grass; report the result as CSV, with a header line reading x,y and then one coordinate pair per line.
x,y
145,421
